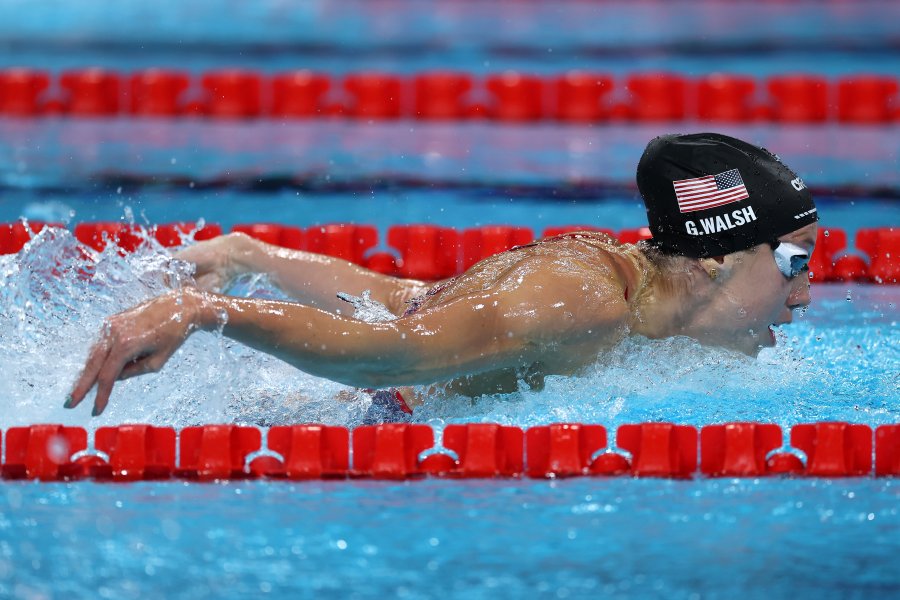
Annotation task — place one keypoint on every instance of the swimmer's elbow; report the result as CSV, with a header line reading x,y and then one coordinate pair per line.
x,y
385,375
399,361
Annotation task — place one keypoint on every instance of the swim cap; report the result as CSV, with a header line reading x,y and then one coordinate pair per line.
x,y
708,194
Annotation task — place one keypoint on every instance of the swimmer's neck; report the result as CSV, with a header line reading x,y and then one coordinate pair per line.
x,y
670,303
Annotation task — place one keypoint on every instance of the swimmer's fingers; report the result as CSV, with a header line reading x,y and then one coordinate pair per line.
x,y
104,365
142,365
129,356
106,378
210,281
196,253
96,359
210,254
210,260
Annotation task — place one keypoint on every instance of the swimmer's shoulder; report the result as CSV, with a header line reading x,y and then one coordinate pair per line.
x,y
619,269
570,291
598,239
598,248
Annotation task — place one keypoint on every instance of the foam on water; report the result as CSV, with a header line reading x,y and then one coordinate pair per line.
x,y
840,361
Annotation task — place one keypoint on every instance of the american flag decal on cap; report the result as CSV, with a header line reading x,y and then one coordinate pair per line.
x,y
709,191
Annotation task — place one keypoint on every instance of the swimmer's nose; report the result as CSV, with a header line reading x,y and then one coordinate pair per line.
x,y
799,296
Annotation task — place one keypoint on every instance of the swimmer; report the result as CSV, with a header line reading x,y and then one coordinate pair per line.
x,y
733,229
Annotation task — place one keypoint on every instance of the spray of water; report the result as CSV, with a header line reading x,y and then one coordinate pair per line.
x,y
55,294
54,297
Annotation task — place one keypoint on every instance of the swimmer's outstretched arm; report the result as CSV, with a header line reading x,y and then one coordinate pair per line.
x,y
513,328
312,279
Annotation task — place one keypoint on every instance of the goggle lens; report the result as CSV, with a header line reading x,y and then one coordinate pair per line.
x,y
790,258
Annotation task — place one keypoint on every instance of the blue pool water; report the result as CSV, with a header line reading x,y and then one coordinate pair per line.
x,y
832,37
617,538
428,539
612,538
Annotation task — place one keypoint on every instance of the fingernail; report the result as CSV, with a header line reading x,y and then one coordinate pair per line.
x,y
95,411
69,401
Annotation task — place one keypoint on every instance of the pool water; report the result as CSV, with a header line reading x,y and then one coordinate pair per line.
x,y
590,537
616,538
819,36
427,539
838,360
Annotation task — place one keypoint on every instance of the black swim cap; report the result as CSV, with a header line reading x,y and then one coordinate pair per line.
x,y
708,194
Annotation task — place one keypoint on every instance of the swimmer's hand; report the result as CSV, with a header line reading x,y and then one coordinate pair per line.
x,y
135,342
217,261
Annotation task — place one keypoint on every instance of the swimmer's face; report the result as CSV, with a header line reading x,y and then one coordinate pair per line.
x,y
761,295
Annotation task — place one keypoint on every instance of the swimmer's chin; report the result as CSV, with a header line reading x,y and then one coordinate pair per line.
x,y
759,341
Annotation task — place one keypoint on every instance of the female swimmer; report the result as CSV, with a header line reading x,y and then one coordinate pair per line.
x,y
733,229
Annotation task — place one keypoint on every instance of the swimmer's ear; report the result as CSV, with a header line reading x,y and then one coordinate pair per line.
x,y
712,266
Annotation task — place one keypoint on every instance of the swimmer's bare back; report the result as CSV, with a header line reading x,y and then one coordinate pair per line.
x,y
546,308
601,275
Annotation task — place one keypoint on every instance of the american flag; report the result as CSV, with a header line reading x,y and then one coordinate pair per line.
x,y
701,193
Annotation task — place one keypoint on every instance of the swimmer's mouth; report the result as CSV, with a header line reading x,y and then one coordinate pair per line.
x,y
772,332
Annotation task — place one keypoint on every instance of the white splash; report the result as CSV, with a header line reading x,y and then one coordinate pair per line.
x,y
839,363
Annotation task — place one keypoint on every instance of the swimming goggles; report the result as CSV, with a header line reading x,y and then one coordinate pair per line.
x,y
790,258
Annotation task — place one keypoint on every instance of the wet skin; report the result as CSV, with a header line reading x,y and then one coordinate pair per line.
x,y
547,308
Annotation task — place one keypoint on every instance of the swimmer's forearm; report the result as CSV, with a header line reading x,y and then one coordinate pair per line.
x,y
420,349
318,342
315,279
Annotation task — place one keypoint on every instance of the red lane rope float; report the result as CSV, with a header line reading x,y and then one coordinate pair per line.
x,y
426,251
136,452
482,242
476,450
566,450
482,450
307,453
834,449
660,449
507,97
432,252
216,451
156,92
887,450
284,236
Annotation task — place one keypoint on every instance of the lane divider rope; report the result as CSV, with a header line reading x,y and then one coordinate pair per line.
x,y
477,450
432,252
577,96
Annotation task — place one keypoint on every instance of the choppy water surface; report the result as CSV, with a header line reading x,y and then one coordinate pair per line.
x,y
838,361
611,538
429,539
